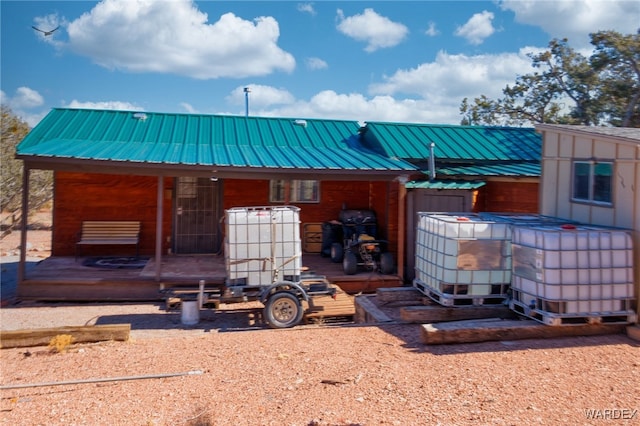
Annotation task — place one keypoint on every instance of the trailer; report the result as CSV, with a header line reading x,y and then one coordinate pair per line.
x,y
263,261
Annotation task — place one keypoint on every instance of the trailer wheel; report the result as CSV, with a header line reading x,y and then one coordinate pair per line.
x,y
283,310
350,263
386,263
337,252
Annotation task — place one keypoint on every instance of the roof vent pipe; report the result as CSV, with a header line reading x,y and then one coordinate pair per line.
x,y
246,101
432,161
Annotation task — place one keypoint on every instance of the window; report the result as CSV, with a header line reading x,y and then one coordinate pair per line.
x,y
299,191
592,182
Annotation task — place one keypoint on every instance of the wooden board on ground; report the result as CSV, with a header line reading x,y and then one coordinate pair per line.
x,y
80,334
438,313
368,312
322,307
495,329
399,294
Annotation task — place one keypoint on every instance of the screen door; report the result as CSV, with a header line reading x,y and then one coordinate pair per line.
x,y
196,216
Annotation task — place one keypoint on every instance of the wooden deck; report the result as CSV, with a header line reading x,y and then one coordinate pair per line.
x,y
67,279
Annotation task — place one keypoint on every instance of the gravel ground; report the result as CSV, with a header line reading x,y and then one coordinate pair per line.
x,y
339,374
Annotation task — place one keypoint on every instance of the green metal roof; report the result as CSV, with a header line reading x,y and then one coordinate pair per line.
x,y
202,140
529,169
445,184
479,143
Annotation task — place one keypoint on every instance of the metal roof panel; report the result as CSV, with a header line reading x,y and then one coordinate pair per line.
x,y
210,140
411,141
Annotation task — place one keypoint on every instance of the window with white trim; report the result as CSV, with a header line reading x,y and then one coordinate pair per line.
x,y
593,182
294,191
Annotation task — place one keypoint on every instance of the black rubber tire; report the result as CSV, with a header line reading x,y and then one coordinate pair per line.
x,y
283,310
386,263
350,263
337,252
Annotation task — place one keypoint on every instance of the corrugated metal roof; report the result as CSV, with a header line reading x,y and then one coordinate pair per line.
x,y
208,140
506,169
411,141
445,184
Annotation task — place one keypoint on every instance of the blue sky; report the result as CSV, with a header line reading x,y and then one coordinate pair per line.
x,y
397,61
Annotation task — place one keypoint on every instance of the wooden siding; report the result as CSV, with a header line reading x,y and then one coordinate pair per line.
x,y
382,197
508,197
79,197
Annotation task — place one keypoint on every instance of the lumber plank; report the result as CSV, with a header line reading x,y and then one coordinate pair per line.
x,y
367,311
495,329
438,313
327,306
80,334
398,294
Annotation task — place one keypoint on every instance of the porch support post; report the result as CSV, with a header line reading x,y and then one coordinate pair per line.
x,y
22,267
159,210
402,229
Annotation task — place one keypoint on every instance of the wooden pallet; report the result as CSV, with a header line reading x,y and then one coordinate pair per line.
x,y
552,319
449,300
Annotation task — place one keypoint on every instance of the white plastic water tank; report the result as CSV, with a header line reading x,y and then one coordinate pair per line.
x,y
572,270
262,245
462,256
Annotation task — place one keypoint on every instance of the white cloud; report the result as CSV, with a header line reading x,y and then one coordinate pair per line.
x,y
450,78
432,31
21,104
477,28
429,93
26,98
575,19
260,96
316,64
188,108
306,8
119,105
355,106
378,31
175,37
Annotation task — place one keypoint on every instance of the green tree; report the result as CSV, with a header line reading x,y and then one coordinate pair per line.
x,y
40,182
617,60
568,88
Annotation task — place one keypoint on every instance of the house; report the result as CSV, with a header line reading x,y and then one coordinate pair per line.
x,y
592,175
466,169
176,174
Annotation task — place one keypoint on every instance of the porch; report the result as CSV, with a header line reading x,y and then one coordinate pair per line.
x,y
69,279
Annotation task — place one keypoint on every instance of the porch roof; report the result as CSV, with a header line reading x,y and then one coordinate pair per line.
x,y
165,143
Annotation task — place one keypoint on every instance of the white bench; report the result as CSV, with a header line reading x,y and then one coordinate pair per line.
x,y
95,232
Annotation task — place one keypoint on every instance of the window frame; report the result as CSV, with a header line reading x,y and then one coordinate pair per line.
x,y
594,188
295,188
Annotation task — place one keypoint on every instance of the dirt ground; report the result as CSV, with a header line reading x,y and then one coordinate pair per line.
x,y
38,237
229,370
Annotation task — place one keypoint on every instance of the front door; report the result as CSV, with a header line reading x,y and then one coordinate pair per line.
x,y
197,216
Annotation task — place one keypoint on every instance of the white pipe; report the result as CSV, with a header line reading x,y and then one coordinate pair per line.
x,y
432,161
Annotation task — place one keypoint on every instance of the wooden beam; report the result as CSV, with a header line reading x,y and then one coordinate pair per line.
x,y
80,334
437,313
495,329
367,312
399,294
159,219
22,266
